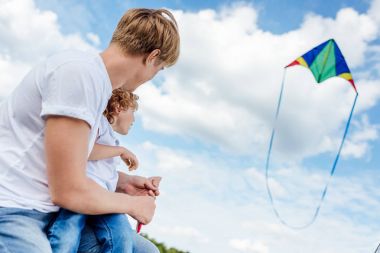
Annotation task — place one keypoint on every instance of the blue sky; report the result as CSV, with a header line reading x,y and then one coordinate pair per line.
x,y
275,16
204,124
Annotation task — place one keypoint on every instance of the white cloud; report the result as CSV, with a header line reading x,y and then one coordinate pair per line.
x,y
374,12
171,162
361,27
10,74
224,89
358,145
28,35
188,232
245,245
94,38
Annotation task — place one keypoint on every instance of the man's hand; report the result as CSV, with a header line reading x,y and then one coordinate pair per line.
x,y
138,186
130,159
143,209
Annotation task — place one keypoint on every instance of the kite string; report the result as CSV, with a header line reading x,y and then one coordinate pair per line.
x,y
270,151
377,250
335,161
323,195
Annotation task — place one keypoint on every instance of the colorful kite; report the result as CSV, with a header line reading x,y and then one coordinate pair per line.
x,y
324,61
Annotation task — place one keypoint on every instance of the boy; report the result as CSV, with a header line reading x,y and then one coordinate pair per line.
x,y
113,230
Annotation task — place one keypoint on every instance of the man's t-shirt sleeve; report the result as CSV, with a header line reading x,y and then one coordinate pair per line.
x,y
70,90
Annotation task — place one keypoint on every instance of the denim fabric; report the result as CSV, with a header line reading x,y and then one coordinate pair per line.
x,y
24,230
113,232
89,244
64,233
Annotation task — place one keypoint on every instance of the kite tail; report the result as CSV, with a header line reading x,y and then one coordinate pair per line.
x,y
335,162
270,151
332,169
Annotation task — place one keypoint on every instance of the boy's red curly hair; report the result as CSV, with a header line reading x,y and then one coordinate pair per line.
x,y
122,100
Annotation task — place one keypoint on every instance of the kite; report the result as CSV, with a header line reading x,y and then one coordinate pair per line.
x,y
324,61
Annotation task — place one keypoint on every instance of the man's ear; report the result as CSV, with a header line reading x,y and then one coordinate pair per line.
x,y
153,56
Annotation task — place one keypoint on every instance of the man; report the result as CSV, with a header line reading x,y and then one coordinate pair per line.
x,y
49,123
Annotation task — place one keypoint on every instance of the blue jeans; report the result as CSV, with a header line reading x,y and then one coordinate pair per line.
x,y
112,231
25,231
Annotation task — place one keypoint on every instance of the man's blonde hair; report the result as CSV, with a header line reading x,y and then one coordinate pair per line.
x,y
140,31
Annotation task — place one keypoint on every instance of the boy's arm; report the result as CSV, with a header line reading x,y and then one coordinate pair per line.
x,y
66,145
100,152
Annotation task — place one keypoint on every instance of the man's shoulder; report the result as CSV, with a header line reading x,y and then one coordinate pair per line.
x,y
80,66
76,72
76,59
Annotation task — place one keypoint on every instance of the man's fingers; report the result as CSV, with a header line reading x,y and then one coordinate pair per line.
x,y
157,181
152,194
149,185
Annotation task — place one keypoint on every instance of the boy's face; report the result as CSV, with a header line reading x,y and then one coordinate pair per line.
x,y
124,121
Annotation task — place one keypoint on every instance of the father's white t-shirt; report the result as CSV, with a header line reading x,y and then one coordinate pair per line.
x,y
71,83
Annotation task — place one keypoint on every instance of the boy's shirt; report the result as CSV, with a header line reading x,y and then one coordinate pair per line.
x,y
71,83
104,171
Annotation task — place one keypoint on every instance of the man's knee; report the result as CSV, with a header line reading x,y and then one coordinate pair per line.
x,y
123,237
143,245
14,238
23,231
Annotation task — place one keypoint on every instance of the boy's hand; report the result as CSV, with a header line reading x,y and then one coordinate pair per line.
x,y
130,159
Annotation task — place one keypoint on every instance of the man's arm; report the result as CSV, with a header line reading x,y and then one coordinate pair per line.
x,y
66,145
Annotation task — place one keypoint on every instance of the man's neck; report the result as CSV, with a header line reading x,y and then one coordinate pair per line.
x,y
120,66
